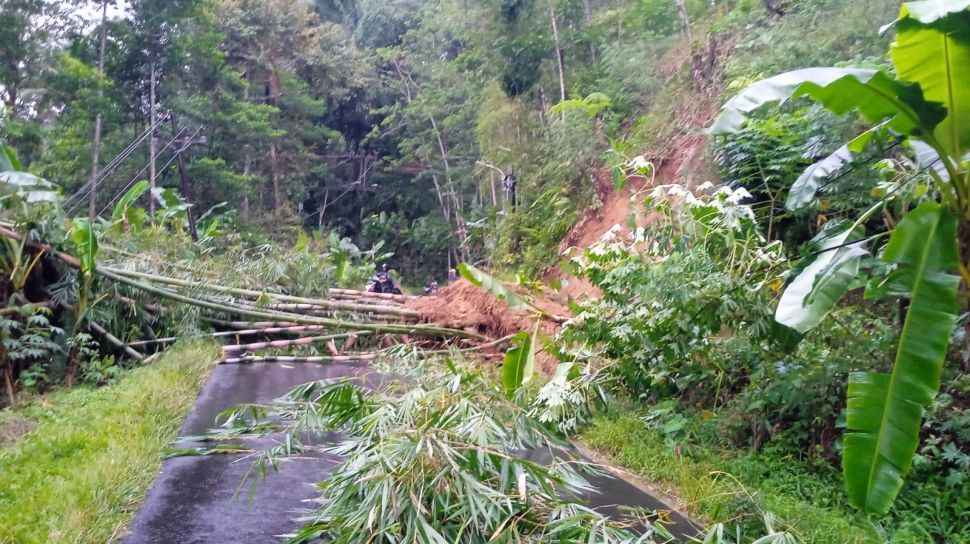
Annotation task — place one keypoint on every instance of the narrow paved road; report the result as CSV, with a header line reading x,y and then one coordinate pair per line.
x,y
194,500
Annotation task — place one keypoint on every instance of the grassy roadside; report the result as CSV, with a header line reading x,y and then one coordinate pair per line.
x,y
717,489
92,453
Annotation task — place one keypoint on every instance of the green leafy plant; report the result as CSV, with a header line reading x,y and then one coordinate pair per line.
x,y
437,459
928,104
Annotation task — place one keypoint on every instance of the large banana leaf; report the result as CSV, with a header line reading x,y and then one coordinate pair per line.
x,y
932,48
817,289
806,186
8,159
929,11
493,286
873,93
520,362
23,186
86,244
884,410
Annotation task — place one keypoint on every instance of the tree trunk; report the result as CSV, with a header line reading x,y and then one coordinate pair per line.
x,y
96,145
185,187
247,170
684,20
559,58
274,90
153,140
7,374
588,13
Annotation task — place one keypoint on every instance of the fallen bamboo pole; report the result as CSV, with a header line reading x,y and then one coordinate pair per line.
x,y
308,302
319,359
249,324
295,318
298,319
115,341
305,341
246,332
313,309
353,293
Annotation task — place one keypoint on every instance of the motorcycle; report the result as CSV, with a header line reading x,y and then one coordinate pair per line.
x,y
382,283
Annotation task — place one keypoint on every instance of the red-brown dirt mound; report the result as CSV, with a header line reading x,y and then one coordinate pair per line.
x,y
461,305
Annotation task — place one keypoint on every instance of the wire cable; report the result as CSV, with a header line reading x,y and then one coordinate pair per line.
x,y
80,202
109,168
175,155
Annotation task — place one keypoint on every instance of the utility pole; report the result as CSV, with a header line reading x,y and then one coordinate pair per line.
x,y
186,186
96,146
152,142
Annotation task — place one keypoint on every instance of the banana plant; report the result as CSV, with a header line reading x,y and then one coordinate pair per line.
x,y
17,186
86,246
125,214
926,105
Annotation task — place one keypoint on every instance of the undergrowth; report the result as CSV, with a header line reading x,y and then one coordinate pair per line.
x,y
720,487
80,473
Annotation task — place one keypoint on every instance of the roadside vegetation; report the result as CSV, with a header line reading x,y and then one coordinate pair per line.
x,y
89,454
776,330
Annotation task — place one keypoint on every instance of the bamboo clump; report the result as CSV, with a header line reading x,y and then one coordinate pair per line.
x,y
267,313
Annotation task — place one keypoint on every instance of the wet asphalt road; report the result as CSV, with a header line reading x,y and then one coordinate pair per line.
x,y
194,499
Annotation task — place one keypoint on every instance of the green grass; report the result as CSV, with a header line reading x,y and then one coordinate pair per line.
x,y
79,475
724,489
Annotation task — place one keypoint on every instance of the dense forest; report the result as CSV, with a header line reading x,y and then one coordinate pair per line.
x,y
721,244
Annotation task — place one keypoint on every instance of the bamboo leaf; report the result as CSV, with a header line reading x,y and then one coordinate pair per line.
x,y
884,410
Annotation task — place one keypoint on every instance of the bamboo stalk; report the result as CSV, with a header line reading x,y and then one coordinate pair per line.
x,y
302,301
272,316
336,293
281,359
314,309
295,318
249,324
115,341
305,341
247,332
318,312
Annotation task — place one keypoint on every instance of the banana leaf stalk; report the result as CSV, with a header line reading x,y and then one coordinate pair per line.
x,y
299,329
305,341
364,358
